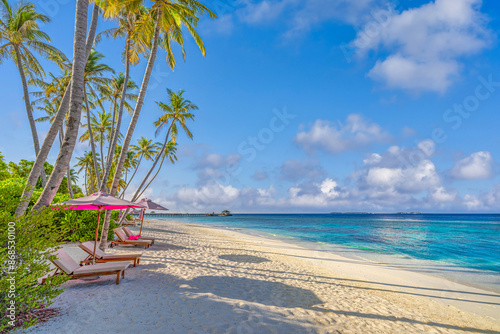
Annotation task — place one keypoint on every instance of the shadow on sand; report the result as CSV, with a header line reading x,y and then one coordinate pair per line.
x,y
241,258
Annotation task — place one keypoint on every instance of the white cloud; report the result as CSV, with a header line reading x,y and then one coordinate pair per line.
x,y
317,195
207,195
425,43
330,188
399,177
471,202
411,179
400,72
335,138
478,165
442,195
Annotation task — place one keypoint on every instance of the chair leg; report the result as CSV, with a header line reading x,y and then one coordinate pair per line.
x,y
118,278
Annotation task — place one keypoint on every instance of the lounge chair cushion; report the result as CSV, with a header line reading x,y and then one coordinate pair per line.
x,y
102,267
65,262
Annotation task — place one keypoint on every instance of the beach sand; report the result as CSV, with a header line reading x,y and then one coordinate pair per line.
x,y
198,279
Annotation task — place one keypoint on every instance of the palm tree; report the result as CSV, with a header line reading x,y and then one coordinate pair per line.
x,y
113,93
170,153
75,109
94,81
20,31
85,163
130,16
176,113
169,17
36,170
146,149
101,128
49,101
51,110
130,163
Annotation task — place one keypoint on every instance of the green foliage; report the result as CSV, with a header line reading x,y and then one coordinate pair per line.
x,y
25,247
23,169
36,235
4,173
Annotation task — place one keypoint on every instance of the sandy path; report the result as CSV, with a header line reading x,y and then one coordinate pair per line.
x,y
200,280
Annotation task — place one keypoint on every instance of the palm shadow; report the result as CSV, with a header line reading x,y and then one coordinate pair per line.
x,y
255,291
242,258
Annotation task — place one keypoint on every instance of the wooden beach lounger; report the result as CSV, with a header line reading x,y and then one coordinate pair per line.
x,y
128,232
123,239
65,264
128,222
102,257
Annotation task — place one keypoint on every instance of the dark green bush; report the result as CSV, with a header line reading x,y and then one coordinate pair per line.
x,y
36,235
25,247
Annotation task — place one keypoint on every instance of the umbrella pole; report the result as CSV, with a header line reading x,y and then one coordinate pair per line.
x,y
142,220
96,232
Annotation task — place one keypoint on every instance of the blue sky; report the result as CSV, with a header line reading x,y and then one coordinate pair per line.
x,y
317,106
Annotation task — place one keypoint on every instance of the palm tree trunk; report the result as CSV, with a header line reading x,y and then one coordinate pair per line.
x,y
68,173
91,137
86,186
131,128
157,158
75,109
132,177
29,112
114,141
113,111
37,168
101,144
68,176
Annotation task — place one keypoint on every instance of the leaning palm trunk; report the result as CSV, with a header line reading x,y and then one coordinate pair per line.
x,y
91,137
31,120
68,173
37,168
158,157
112,146
75,110
113,124
70,188
131,128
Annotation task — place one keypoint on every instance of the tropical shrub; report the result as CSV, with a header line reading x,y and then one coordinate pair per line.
x,y
25,246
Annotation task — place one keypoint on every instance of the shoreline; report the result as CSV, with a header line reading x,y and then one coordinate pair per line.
x,y
200,279
470,277
437,288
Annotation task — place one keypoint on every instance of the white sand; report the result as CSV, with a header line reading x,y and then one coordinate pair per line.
x,y
202,280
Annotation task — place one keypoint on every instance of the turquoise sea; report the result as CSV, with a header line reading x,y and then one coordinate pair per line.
x,y
461,247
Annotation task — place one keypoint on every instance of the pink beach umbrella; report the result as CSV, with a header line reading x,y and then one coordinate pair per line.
x,y
148,204
99,201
